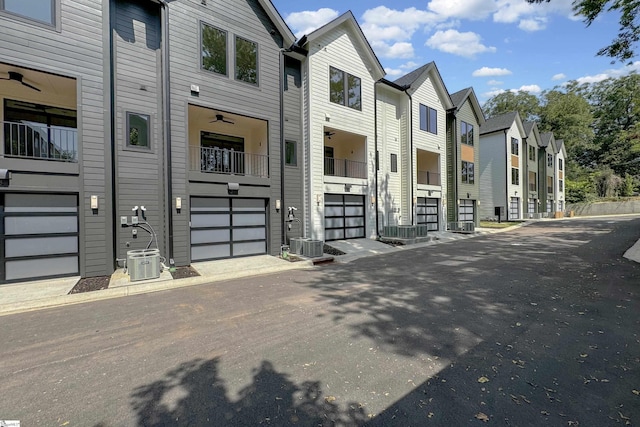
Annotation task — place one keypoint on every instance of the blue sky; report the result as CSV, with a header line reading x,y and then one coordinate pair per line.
x,y
492,45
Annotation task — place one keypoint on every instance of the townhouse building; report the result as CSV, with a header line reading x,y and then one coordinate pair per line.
x,y
559,169
464,121
547,166
168,112
532,172
501,167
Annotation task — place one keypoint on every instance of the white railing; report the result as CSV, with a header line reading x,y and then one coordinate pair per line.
x,y
230,162
38,141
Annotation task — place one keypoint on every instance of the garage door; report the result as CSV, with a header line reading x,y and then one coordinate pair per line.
x,y
38,236
466,212
227,228
514,208
427,211
344,216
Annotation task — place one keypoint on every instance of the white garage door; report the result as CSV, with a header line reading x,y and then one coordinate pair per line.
x,y
38,236
227,227
467,208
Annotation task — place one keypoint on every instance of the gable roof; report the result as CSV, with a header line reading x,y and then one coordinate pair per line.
x,y
461,96
276,18
546,138
560,147
502,122
532,131
347,18
408,81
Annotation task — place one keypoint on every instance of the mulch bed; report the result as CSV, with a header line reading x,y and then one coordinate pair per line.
x,y
330,250
90,284
184,272
392,242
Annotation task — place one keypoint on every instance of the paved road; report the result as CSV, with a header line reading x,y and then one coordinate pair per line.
x,y
536,326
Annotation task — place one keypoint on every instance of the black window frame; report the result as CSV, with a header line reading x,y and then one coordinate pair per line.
x,y
226,49
55,8
532,153
466,133
236,60
560,164
291,159
561,186
515,176
468,173
549,160
394,162
128,145
343,96
428,119
515,146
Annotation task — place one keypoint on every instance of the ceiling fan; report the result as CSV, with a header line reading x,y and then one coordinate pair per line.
x,y
329,134
221,118
18,77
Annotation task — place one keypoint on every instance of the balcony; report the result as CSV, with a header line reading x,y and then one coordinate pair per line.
x,y
29,140
228,162
344,168
428,178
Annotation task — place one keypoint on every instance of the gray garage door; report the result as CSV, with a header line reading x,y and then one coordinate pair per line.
x,y
38,236
467,210
344,216
427,210
227,227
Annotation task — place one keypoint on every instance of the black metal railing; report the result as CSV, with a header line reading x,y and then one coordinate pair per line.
x,y
428,178
38,141
344,168
230,162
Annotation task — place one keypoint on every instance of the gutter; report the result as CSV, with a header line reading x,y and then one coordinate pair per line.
x,y
166,101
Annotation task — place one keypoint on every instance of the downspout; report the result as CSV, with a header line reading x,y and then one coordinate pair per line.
x,y
166,102
411,155
507,206
112,104
456,167
283,236
375,139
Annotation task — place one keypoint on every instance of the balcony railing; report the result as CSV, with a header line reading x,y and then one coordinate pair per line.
x,y
230,162
38,141
428,178
344,168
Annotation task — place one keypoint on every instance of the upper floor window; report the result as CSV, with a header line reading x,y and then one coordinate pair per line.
x,y
291,154
466,133
42,11
138,130
560,164
468,173
394,163
214,49
550,160
428,119
532,152
345,89
514,147
246,61
515,176
560,186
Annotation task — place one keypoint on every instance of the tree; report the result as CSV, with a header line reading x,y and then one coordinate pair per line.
x,y
526,104
623,46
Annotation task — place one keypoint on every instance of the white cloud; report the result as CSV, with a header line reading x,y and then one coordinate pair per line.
x,y
510,11
533,24
393,72
411,65
528,88
410,18
495,83
491,72
374,32
610,73
559,76
464,9
306,21
493,93
463,44
395,50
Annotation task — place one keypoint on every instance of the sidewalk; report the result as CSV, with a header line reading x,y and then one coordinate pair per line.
x,y
34,295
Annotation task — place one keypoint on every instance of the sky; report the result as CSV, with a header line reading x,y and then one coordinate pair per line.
x,y
492,45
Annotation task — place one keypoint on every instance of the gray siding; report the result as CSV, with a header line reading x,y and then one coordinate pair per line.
x,y
493,174
74,49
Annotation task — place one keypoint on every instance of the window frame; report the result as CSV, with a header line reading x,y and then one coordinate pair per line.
x,y
287,158
515,173
235,62
55,15
467,175
560,164
532,153
428,119
394,162
549,160
560,186
346,100
466,133
515,146
127,130
226,52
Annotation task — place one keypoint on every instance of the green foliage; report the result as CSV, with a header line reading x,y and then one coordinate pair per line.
x,y
214,50
627,187
526,104
579,191
623,45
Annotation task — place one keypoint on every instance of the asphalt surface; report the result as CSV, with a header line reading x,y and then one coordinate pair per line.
x,y
535,326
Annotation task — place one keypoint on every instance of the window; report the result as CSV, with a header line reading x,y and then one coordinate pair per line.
x,y
345,89
222,153
394,163
549,185
560,186
138,130
560,164
246,61
514,147
533,185
468,176
43,11
466,133
550,160
290,153
428,119
377,160
515,176
532,153
214,49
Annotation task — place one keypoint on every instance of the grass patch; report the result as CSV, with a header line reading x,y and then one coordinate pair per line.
x,y
495,224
